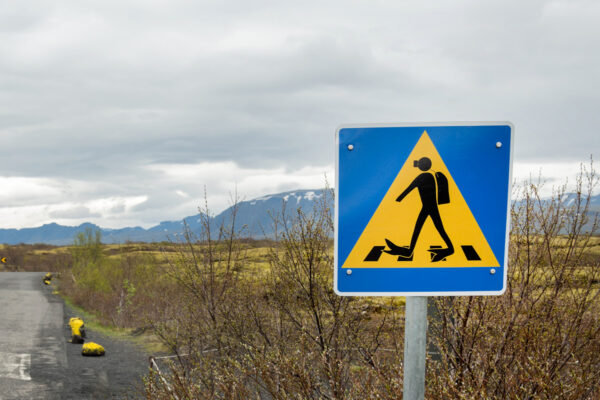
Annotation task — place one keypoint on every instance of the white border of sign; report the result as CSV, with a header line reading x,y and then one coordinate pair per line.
x,y
424,124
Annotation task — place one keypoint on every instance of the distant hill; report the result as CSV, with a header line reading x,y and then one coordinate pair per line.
x,y
594,208
594,201
254,218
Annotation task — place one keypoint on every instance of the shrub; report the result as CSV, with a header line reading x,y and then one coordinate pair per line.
x,y
119,289
541,339
281,334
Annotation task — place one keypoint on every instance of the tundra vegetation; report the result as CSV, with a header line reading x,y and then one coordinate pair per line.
x,y
259,319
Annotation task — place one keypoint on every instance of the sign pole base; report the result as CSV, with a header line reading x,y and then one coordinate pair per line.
x,y
415,342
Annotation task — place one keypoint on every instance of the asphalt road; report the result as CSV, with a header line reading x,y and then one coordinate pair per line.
x,y
36,360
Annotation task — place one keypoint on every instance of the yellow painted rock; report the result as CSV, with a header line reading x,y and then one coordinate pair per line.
x,y
47,278
92,349
77,330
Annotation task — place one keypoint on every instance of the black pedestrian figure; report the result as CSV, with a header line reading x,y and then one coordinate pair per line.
x,y
433,191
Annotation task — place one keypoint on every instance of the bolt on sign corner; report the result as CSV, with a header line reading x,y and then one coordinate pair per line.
x,y
422,210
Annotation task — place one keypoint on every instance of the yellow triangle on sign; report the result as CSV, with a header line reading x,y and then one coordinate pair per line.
x,y
424,196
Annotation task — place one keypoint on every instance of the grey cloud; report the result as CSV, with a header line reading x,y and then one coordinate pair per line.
x,y
98,94
73,213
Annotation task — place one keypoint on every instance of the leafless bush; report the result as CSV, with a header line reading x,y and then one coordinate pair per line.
x,y
118,289
542,338
15,255
34,257
281,334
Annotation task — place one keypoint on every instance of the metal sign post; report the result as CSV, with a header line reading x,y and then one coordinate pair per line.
x,y
415,342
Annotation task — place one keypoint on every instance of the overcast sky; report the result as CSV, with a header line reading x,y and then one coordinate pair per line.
x,y
121,112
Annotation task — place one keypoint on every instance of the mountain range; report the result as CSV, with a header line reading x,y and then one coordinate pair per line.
x,y
254,218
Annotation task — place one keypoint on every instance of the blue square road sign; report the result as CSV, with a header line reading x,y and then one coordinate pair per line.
x,y
422,209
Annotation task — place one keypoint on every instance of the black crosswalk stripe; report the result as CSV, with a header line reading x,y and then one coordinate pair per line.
x,y
470,253
375,253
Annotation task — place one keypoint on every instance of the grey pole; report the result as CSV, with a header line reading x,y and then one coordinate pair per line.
x,y
415,341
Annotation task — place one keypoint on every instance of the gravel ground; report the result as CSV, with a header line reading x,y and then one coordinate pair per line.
x,y
38,363
116,375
